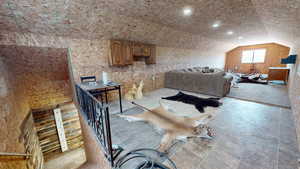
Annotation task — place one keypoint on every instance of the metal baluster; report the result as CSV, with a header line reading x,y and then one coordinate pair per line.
x,y
97,115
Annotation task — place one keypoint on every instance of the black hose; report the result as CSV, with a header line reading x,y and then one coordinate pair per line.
x,y
138,155
156,165
148,163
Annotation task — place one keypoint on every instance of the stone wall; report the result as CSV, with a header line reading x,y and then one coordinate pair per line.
x,y
294,92
32,78
44,72
14,107
94,19
90,57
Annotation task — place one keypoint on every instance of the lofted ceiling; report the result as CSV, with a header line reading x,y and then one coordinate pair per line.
x,y
237,15
157,21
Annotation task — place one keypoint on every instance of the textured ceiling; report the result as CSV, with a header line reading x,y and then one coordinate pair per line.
x,y
152,20
237,15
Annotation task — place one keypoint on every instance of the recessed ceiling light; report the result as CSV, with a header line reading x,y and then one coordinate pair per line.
x,y
187,11
240,37
216,25
229,32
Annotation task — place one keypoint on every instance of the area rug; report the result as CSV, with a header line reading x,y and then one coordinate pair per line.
x,y
243,129
138,134
272,94
132,135
153,99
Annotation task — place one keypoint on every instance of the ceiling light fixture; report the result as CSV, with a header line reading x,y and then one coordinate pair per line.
x,y
187,11
229,32
215,25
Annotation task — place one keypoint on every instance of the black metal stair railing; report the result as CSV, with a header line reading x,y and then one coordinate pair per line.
x,y
97,116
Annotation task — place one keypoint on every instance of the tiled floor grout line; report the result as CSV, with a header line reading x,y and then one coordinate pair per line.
x,y
278,112
268,104
279,125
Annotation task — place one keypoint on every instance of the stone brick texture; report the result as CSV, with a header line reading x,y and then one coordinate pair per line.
x,y
85,26
97,19
294,92
14,107
43,72
158,22
32,78
87,57
90,57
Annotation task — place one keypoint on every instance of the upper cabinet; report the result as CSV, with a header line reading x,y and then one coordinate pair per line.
x,y
127,52
116,53
124,53
152,52
141,50
137,49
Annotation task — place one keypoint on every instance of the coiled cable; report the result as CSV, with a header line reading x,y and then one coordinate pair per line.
x,y
148,162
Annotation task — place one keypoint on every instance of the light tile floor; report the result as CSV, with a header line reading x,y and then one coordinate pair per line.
x,y
248,135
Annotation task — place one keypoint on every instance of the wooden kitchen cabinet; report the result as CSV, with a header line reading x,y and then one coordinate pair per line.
x,y
141,50
127,52
152,58
116,53
146,50
137,49
278,73
123,52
